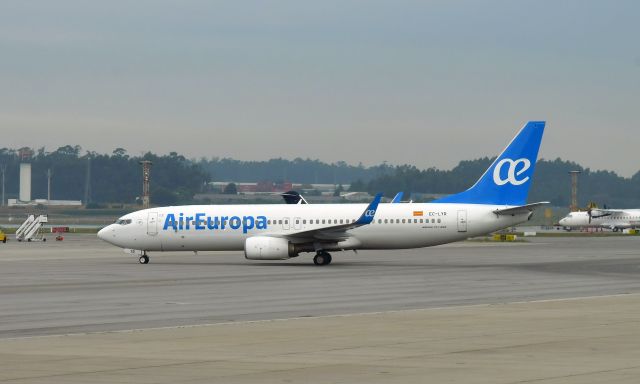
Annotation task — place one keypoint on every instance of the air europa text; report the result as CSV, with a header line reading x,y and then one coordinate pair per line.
x,y
201,222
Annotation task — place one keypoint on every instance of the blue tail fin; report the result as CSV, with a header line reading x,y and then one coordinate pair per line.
x,y
508,179
397,198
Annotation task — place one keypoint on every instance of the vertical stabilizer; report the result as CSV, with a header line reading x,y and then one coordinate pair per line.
x,y
508,179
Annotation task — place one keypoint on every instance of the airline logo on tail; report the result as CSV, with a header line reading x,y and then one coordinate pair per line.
x,y
512,172
508,179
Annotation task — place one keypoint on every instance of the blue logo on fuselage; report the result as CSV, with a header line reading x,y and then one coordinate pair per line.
x,y
202,222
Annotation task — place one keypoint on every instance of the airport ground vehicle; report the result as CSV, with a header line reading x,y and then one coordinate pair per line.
x,y
3,236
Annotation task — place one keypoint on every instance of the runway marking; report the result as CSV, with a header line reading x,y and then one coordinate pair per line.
x,y
245,322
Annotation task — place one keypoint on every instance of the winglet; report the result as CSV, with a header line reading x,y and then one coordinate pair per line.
x,y
397,198
370,211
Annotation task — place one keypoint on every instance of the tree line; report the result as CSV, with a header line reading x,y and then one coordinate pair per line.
x,y
117,177
551,182
114,178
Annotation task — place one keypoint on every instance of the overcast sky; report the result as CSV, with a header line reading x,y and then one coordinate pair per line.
x,y
421,82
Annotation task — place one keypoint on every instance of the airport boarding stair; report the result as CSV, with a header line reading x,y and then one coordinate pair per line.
x,y
30,229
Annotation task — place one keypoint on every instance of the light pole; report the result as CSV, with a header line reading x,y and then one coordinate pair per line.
x,y
574,190
3,168
146,177
49,173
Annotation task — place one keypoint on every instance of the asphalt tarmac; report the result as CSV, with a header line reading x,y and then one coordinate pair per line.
x,y
89,289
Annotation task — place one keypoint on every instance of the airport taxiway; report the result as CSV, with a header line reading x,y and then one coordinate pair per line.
x,y
466,312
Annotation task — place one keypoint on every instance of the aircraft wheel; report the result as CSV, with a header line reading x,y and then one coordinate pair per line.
x,y
144,259
322,258
328,259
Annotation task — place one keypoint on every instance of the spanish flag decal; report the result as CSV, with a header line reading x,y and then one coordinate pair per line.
x,y
417,213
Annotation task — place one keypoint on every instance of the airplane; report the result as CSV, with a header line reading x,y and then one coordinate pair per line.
x,y
614,219
283,231
294,197
397,198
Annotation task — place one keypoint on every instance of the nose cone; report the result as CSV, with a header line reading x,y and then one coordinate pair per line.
x,y
563,221
103,233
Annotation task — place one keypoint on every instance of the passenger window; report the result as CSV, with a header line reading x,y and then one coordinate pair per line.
x,y
297,221
379,221
433,221
304,221
340,221
402,221
421,221
385,221
322,221
438,220
279,221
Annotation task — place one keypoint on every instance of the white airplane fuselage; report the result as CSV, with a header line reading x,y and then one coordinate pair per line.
x,y
603,218
277,232
395,226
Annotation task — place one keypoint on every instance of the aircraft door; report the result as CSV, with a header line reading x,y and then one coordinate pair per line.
x,y
462,221
152,223
285,223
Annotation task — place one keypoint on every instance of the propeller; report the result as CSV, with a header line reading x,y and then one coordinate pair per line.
x,y
590,208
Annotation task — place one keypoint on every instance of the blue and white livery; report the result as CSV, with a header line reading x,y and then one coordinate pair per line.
x,y
278,232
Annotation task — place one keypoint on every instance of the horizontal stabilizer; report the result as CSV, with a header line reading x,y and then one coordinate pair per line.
x,y
520,209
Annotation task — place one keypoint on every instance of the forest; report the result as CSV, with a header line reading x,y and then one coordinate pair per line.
x,y
117,177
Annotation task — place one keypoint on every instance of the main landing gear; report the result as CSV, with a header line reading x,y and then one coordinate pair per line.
x,y
322,258
144,259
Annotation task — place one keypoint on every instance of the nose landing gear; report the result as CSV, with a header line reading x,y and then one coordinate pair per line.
x,y
322,258
144,259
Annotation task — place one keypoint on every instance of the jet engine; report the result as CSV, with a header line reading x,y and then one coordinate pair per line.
x,y
268,248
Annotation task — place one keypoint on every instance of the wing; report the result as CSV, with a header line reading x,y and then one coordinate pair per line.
x,y
597,212
337,232
520,209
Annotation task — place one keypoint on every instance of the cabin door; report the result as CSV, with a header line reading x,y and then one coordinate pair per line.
x,y
152,223
462,221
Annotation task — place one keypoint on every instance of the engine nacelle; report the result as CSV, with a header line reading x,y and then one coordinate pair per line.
x,y
268,248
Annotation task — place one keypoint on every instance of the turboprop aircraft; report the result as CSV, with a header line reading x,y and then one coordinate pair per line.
x,y
282,231
614,219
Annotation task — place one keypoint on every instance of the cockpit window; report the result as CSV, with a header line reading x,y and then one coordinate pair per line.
x,y
123,221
